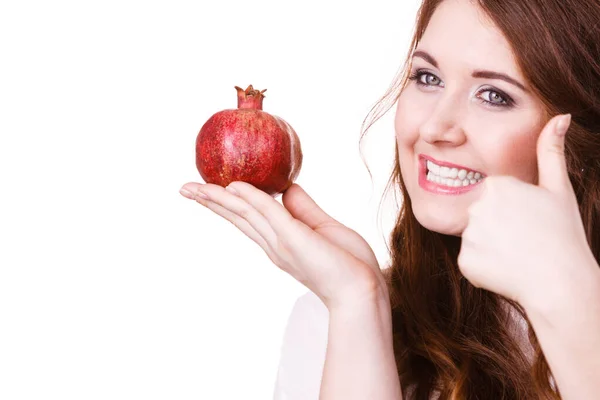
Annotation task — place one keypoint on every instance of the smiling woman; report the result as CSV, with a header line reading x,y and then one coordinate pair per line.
x,y
475,101
494,287
482,80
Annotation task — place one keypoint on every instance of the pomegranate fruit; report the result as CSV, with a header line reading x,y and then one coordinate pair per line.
x,y
250,145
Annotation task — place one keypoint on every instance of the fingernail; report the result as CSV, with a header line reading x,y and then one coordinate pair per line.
x,y
192,195
563,124
186,193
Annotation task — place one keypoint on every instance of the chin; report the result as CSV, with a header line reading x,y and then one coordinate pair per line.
x,y
438,220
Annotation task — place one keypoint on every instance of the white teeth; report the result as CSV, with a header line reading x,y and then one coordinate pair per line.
x,y
449,181
452,177
452,173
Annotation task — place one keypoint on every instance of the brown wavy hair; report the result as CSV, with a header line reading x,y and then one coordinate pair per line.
x,y
450,336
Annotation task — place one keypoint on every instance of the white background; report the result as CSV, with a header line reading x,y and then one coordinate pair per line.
x,y
114,286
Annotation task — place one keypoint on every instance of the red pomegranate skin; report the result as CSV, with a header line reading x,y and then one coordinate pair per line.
x,y
249,145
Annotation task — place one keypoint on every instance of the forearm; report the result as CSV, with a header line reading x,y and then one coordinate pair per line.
x,y
568,329
360,361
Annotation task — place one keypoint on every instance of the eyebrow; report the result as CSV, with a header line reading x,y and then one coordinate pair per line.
x,y
476,74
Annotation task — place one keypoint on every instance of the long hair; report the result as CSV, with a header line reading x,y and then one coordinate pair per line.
x,y
449,336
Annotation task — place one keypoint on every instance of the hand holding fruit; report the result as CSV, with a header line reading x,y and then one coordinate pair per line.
x,y
330,259
262,154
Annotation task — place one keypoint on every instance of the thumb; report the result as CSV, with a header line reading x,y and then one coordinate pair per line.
x,y
552,165
304,208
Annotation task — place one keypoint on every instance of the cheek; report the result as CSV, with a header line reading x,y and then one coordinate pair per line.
x,y
409,115
516,156
408,118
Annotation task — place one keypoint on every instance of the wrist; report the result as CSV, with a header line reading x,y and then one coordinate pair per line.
x,y
364,312
364,289
368,295
559,300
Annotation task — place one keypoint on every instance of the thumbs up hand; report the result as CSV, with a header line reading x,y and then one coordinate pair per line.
x,y
524,241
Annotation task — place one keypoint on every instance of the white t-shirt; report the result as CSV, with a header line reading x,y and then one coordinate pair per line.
x,y
305,345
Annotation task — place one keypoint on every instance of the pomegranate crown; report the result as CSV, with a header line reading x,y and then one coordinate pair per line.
x,y
250,98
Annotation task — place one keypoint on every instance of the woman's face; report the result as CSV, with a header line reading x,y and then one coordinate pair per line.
x,y
469,108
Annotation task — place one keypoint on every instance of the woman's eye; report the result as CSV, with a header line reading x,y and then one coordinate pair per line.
x,y
430,79
494,97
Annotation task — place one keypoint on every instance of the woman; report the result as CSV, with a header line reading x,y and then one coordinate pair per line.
x,y
494,287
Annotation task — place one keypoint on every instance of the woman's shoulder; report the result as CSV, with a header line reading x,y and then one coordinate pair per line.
x,y
302,353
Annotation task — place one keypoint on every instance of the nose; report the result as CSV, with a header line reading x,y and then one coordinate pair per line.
x,y
444,123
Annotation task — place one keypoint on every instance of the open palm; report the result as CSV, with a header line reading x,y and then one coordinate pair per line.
x,y
332,260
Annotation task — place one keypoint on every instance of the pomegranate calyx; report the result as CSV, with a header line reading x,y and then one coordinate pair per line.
x,y
250,98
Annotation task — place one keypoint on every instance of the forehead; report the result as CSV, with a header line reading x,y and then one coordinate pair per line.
x,y
460,35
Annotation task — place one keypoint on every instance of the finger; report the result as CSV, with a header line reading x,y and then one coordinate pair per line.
x,y
552,165
237,206
237,221
302,207
492,190
277,217
466,265
474,209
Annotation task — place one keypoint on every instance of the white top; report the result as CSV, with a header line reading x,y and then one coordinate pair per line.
x,y
303,350
305,344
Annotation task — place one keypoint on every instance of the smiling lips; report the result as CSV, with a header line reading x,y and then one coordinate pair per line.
x,y
446,178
